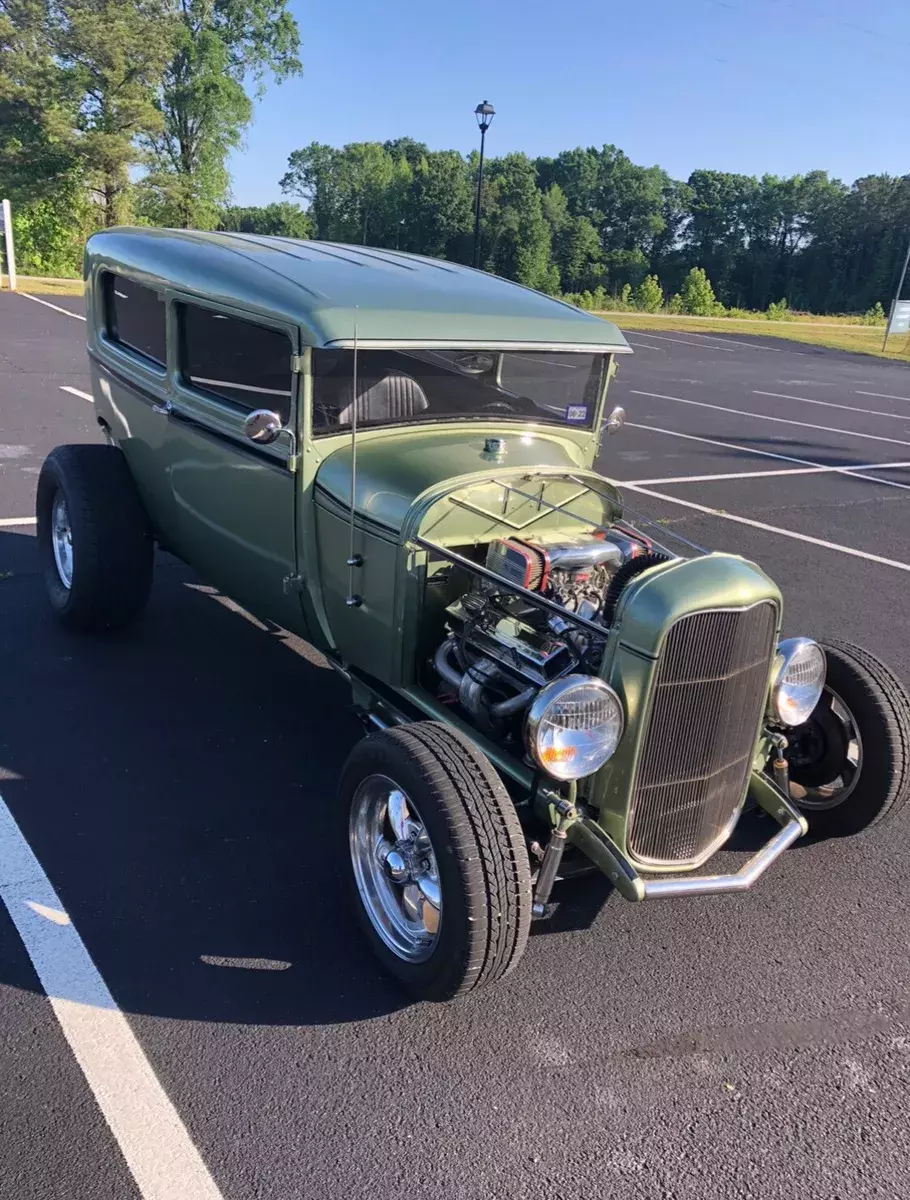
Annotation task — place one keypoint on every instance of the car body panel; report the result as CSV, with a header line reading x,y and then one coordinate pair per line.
x,y
336,292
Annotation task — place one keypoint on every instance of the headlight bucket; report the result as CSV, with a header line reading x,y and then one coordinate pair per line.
x,y
574,726
799,681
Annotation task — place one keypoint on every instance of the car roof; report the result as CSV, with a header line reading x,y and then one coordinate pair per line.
x,y
333,291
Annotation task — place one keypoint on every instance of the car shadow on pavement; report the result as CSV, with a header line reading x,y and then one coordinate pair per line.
x,y
177,783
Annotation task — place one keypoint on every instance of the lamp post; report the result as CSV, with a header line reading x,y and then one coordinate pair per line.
x,y
484,113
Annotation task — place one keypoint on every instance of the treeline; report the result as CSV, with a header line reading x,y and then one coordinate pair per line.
x,y
592,221
117,111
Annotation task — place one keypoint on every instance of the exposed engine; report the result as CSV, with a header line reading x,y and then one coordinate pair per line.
x,y
503,648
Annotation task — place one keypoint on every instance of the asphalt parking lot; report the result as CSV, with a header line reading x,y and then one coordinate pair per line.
x,y
171,781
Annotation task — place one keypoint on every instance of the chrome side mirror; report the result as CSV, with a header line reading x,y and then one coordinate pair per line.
x,y
262,426
615,420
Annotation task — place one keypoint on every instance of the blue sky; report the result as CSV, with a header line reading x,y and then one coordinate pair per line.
x,y
779,86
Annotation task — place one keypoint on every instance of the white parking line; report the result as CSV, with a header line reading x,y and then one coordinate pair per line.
x,y
679,341
788,471
749,345
158,1151
868,412
884,396
645,346
56,307
739,412
12,522
804,462
789,533
64,387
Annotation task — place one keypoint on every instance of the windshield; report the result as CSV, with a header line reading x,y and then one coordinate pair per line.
x,y
397,387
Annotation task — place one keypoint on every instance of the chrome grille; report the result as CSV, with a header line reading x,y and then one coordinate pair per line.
x,y
707,699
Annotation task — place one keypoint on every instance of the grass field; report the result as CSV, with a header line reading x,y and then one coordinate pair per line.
x,y
46,287
818,331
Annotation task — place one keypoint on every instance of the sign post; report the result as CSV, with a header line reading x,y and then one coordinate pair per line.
x,y
6,224
899,317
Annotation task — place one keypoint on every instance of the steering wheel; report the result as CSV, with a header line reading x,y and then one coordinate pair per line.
x,y
500,406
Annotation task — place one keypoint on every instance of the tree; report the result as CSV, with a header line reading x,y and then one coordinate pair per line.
x,y
221,46
350,191
578,255
649,295
697,296
39,105
115,55
440,210
516,235
280,219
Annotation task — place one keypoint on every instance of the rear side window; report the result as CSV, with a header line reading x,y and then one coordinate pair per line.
x,y
135,317
236,360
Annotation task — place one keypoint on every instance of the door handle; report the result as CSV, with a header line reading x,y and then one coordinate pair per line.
x,y
163,410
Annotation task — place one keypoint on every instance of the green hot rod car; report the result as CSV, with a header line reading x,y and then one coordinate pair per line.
x,y
392,457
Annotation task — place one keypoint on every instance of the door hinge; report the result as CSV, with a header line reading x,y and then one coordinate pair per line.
x,y
293,585
296,364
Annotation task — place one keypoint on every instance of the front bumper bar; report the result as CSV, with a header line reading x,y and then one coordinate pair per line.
x,y
591,839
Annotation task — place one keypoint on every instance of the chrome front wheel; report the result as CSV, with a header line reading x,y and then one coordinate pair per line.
x,y
62,540
439,869
826,755
395,868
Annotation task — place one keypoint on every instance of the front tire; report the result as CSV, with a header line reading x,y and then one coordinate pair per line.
x,y
850,762
95,541
439,870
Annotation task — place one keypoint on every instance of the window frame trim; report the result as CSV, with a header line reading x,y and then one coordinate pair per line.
x,y
128,355
218,414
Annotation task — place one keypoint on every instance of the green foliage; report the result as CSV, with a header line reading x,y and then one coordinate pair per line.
x,y
517,237
697,295
649,295
675,304
50,234
281,219
778,311
128,110
115,55
220,47
875,315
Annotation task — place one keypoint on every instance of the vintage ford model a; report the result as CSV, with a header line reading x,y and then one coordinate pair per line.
x,y
393,457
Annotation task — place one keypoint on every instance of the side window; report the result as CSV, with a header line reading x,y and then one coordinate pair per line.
x,y
135,317
236,360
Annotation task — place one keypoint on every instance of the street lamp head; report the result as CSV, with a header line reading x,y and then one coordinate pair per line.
x,y
484,112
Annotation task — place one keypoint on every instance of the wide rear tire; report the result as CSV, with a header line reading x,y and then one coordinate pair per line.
x,y
463,847
95,541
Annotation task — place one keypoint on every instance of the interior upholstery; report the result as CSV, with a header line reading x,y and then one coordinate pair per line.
x,y
390,397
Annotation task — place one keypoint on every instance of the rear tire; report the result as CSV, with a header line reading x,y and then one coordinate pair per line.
x,y
95,541
462,816
851,759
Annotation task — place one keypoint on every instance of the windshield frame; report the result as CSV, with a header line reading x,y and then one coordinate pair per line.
x,y
589,428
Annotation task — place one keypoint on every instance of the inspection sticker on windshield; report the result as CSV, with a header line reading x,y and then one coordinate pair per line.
x,y
577,412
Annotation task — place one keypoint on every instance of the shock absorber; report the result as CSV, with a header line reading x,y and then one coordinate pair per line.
x,y
779,765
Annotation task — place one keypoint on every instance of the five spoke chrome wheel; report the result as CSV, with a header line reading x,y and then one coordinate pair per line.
x,y
395,868
62,540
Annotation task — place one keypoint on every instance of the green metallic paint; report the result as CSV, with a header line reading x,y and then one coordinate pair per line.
x,y
270,526
649,606
330,291
394,470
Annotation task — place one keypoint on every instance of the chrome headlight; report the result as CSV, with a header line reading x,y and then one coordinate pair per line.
x,y
799,681
574,726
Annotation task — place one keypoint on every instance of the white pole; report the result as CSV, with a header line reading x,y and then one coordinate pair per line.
x,y
10,248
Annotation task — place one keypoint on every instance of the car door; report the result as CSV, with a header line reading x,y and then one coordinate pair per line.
x,y
234,499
